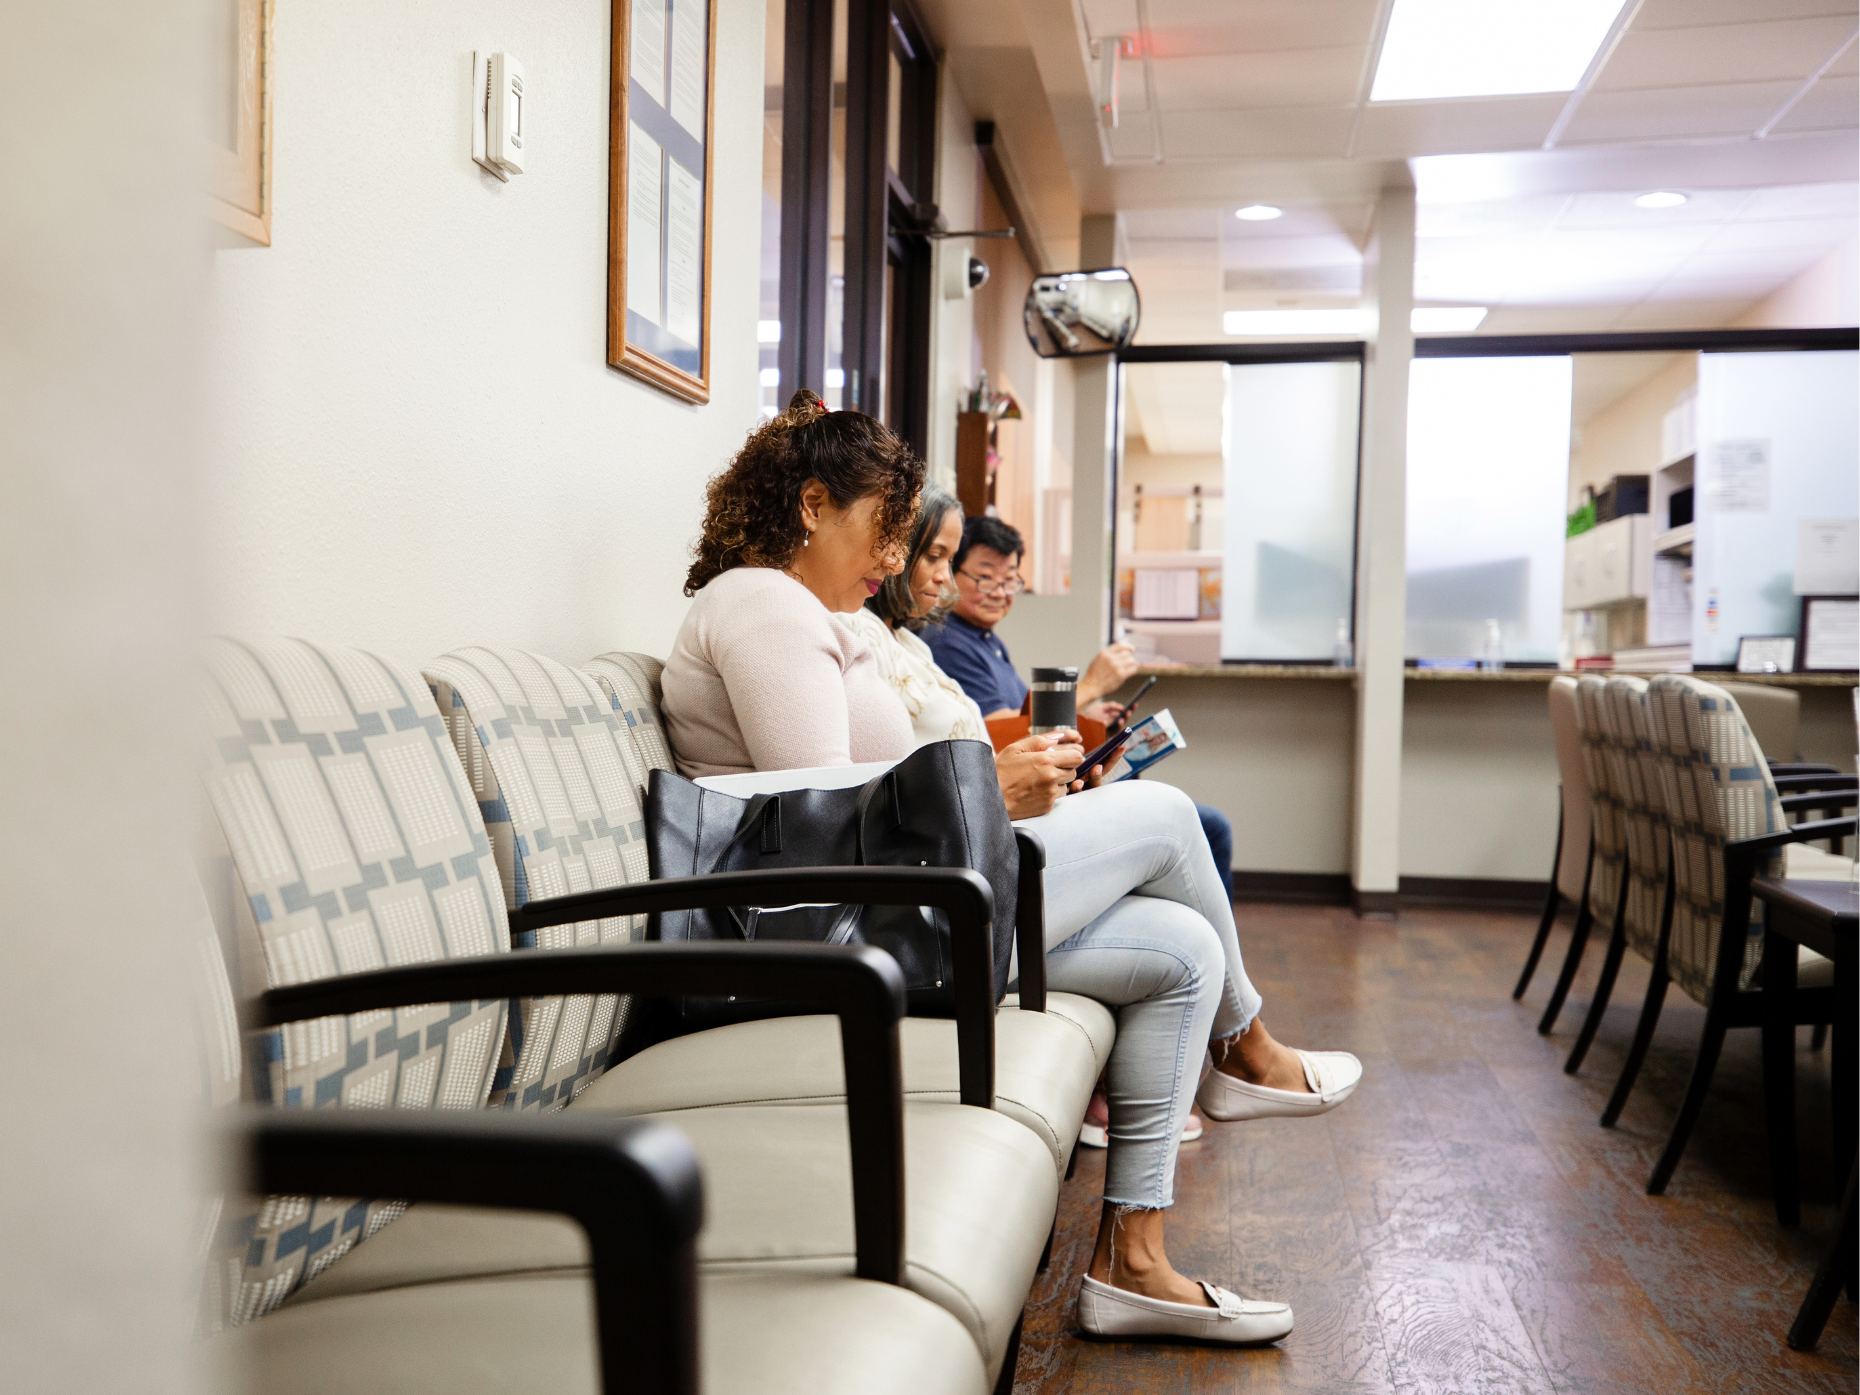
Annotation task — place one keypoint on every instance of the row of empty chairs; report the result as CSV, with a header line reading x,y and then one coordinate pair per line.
x,y
425,898
1670,809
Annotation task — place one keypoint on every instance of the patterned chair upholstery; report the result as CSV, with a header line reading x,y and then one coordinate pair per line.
x,y
631,682
1605,767
554,774
351,843
1649,856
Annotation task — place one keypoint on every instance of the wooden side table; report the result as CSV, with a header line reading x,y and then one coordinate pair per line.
x,y
1823,916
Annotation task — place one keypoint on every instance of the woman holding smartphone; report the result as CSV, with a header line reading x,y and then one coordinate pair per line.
x,y
814,517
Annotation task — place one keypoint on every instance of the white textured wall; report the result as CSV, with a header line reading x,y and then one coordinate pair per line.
x,y
102,246
419,443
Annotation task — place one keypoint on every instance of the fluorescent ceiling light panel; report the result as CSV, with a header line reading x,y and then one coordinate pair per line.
x,y
1258,213
1488,48
1446,319
1429,319
1660,198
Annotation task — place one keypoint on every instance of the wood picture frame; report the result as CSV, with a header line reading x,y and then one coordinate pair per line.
x,y
239,192
654,159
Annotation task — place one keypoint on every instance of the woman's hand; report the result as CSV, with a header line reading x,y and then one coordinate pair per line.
x,y
1036,771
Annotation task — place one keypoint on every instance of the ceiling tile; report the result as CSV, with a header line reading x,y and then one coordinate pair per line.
x,y
1398,130
1847,65
1242,81
1666,113
1549,319
1697,314
1803,201
1295,132
1172,223
1617,210
1110,17
1488,216
1723,53
1674,14
1316,249
1744,288
1185,27
1830,105
1134,138
1809,234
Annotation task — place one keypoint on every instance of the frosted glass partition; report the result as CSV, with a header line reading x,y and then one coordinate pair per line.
x,y
1488,469
1289,452
1778,438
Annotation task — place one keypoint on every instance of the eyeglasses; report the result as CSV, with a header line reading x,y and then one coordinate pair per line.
x,y
990,586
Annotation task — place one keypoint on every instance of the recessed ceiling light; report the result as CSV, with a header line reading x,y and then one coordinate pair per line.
x,y
1475,48
1446,319
1660,198
1258,213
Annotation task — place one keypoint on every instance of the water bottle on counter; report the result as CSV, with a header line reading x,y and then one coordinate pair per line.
x,y
1492,660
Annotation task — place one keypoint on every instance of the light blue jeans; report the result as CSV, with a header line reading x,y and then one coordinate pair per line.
x,y
1137,918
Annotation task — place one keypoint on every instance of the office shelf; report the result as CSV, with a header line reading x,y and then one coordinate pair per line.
x,y
1675,539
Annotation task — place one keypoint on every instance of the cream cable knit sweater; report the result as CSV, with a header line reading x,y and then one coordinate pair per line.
x,y
940,710
764,677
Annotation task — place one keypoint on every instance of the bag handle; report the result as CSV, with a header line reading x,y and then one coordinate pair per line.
x,y
888,783
762,817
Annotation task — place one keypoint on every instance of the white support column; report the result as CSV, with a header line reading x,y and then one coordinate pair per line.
x,y
1381,560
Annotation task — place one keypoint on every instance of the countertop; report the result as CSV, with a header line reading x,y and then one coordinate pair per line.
x,y
1327,672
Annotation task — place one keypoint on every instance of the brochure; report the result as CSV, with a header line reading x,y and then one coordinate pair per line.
x,y
1154,738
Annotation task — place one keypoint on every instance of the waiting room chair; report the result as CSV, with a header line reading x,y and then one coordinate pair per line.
x,y
1569,863
1607,878
370,886
1727,826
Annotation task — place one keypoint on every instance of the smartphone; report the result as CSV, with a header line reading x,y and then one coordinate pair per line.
x,y
1131,706
1104,753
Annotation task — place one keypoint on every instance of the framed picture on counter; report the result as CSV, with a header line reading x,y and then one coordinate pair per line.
x,y
1830,634
1766,654
658,193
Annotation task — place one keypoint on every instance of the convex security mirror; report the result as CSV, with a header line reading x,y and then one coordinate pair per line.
x,y
1078,313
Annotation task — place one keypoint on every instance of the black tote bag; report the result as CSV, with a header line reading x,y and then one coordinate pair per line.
x,y
940,806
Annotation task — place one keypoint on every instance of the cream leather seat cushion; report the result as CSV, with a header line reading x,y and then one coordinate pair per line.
x,y
1805,862
980,1197
759,1334
1045,1066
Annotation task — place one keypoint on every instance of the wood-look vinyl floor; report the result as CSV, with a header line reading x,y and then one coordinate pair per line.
x,y
1464,1224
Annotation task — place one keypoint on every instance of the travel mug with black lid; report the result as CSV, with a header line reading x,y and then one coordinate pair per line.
x,y
1055,703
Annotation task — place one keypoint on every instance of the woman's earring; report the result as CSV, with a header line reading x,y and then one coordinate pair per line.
x,y
806,540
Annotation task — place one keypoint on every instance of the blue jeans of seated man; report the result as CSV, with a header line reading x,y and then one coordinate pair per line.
x,y
1137,918
1220,831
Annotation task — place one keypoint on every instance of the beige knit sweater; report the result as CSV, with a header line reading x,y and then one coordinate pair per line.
x,y
763,677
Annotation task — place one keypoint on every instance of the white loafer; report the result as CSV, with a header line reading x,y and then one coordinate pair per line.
x,y
1332,1075
1096,1136
1114,1312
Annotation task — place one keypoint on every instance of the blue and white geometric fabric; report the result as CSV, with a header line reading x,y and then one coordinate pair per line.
x,y
631,682
1602,763
549,764
1718,787
1643,811
354,844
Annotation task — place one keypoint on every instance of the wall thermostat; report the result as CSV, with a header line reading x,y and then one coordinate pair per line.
x,y
497,128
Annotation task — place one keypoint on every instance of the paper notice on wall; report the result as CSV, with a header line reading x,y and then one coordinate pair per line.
x,y
1827,557
1669,608
684,253
643,163
689,19
1739,477
646,38
1170,594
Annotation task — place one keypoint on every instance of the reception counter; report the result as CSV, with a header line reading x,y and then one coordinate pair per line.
x,y
1274,747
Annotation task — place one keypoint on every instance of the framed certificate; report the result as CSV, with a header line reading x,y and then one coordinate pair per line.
x,y
1830,634
658,193
1766,654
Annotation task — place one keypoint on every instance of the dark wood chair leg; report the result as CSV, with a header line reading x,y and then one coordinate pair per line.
x,y
1553,901
1650,1007
1819,1037
1578,938
1837,1270
1604,989
1711,1043
1779,1019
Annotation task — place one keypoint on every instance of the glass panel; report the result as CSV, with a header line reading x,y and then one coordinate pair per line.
x,y
768,314
833,389
894,96
1488,467
1289,452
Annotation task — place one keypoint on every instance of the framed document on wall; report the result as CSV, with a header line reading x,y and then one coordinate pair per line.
x,y
658,193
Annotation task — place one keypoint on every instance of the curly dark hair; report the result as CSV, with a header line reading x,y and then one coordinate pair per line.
x,y
894,603
752,509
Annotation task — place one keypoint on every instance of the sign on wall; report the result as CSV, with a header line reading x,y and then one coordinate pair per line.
x,y
658,222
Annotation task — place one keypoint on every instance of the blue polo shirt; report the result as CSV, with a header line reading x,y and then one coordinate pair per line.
x,y
979,663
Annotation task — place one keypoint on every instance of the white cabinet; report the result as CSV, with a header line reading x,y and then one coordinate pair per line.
x,y
1610,563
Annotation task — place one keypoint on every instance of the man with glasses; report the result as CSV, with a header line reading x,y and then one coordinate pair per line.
x,y
965,646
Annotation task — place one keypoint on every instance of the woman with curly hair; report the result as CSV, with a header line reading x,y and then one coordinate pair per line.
x,y
811,520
